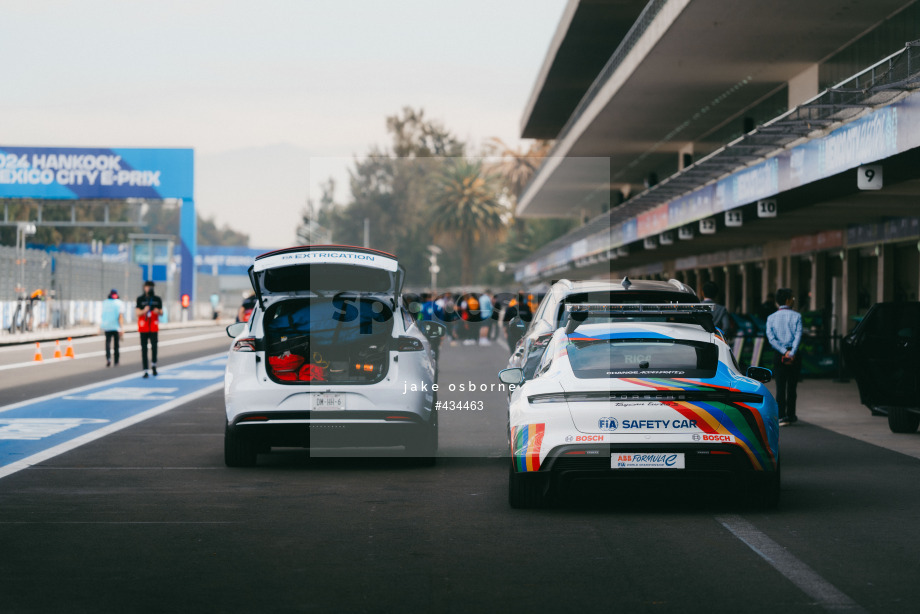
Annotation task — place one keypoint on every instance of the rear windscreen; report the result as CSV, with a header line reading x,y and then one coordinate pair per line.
x,y
598,358
327,278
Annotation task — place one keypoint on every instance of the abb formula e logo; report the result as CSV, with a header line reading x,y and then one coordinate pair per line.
x,y
711,437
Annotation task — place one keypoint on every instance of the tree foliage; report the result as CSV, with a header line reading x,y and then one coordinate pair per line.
x,y
390,188
466,209
425,188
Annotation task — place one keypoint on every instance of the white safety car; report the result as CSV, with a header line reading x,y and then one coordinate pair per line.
x,y
640,391
329,358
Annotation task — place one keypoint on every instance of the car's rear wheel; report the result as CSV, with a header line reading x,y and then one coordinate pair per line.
x,y
525,489
239,451
423,445
765,492
901,420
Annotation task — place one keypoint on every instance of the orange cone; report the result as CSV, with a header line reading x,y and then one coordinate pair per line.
x,y
69,352
57,348
38,352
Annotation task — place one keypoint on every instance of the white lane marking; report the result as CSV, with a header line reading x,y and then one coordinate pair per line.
x,y
191,375
211,359
106,430
123,349
33,429
823,592
126,393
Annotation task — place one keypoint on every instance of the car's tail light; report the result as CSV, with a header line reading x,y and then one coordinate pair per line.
x,y
558,397
409,344
246,344
647,397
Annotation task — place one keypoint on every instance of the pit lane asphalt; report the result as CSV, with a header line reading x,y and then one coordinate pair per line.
x,y
149,519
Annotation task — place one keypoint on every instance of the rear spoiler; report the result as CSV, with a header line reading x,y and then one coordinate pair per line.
x,y
687,313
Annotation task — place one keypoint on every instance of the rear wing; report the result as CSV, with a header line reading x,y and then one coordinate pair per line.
x,y
686,313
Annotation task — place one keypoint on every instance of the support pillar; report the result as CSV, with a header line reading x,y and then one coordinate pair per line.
x,y
746,287
850,291
885,290
818,281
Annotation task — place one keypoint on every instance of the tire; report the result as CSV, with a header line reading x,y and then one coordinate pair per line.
x,y
424,445
525,490
765,492
239,451
901,420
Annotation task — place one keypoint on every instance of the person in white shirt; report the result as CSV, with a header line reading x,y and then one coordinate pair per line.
x,y
113,325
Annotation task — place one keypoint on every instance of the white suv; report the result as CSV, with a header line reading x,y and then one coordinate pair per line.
x,y
550,315
329,358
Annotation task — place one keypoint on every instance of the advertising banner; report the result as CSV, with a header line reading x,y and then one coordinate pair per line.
x,y
96,173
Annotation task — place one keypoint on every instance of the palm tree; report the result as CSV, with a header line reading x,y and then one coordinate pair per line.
x,y
467,208
517,166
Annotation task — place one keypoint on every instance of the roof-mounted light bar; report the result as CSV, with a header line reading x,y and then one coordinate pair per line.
x,y
639,308
694,313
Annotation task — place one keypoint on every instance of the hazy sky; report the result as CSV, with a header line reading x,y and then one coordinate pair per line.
x,y
264,91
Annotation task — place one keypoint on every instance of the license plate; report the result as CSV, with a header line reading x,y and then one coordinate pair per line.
x,y
329,400
647,460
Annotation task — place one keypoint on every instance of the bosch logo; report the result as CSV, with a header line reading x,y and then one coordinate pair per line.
x,y
569,438
696,437
717,438
589,438
607,424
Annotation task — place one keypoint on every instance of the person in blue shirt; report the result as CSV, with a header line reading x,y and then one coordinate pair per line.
x,y
113,323
485,313
784,332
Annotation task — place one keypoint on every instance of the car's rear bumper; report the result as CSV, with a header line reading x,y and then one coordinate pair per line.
x,y
330,428
570,464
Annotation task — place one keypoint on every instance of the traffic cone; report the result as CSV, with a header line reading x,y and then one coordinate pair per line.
x,y
38,352
69,352
57,348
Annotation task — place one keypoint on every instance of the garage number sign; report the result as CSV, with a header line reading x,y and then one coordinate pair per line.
x,y
869,177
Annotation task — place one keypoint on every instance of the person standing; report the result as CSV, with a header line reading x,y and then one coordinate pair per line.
x,y
113,323
485,314
149,308
245,311
720,315
215,306
784,332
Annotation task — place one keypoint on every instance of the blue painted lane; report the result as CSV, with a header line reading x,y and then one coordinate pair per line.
x,y
35,430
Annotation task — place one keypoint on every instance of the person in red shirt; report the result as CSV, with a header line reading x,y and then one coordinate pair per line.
x,y
149,308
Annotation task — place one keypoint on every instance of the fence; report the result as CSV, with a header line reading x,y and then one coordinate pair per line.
x,y
74,288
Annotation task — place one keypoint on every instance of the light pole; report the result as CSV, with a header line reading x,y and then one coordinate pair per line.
x,y
434,269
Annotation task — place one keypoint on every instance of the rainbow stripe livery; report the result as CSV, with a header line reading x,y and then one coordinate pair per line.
x,y
526,441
